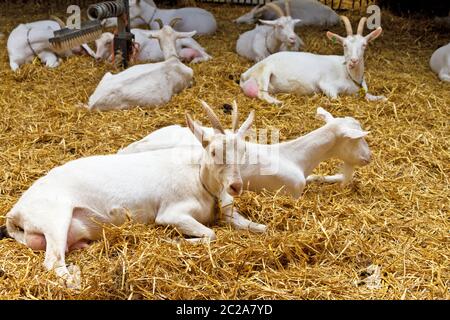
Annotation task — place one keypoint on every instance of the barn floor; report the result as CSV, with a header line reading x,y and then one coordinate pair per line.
x,y
394,218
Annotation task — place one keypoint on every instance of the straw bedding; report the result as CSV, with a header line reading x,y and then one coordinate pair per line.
x,y
393,219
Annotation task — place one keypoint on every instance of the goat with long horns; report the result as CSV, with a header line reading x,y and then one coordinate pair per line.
x,y
270,37
311,12
307,73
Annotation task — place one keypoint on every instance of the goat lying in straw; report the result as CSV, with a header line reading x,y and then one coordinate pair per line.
x,y
310,12
307,73
150,84
284,167
145,12
30,40
64,210
149,49
273,36
440,62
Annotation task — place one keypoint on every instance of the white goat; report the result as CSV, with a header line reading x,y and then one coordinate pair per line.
x,y
271,37
286,165
146,13
310,12
149,49
64,210
306,73
440,62
146,84
29,40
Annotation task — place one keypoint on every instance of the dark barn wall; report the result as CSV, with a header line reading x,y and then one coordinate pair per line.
x,y
429,7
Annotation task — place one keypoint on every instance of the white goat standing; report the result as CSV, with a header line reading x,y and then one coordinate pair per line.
x,y
143,12
310,12
271,37
307,73
146,84
64,210
440,62
29,40
149,49
286,165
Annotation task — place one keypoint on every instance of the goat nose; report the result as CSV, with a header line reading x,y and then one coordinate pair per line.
x,y
236,187
354,60
98,59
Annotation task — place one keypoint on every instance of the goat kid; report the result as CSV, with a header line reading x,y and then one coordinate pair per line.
x,y
64,210
307,73
192,19
310,12
29,40
286,165
149,49
271,37
146,84
440,62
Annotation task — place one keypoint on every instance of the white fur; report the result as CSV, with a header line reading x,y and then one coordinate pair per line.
x,y
340,138
64,209
149,48
19,50
440,62
307,73
273,36
310,12
144,13
141,85
146,84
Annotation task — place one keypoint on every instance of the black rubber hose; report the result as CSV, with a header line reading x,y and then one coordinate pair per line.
x,y
104,10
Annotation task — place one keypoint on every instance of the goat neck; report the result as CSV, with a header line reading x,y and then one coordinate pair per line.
x,y
272,43
309,150
209,183
356,74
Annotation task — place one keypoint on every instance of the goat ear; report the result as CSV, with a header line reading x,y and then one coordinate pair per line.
x,y
186,34
334,37
197,130
152,34
374,34
247,124
354,133
323,114
296,21
268,22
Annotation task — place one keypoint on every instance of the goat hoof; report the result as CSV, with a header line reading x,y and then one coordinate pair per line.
x,y
74,278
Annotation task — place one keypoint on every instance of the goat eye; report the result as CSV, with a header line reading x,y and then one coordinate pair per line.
x,y
213,153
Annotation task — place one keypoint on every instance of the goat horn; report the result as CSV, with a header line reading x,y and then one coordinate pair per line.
x,y
215,122
348,25
287,7
361,25
59,21
174,21
272,6
235,117
159,22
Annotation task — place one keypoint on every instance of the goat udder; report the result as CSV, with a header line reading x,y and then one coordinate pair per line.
x,y
35,241
250,88
188,54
